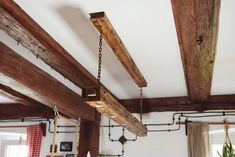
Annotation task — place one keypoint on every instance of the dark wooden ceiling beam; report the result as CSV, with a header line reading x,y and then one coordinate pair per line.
x,y
197,23
101,22
16,111
218,102
89,136
22,76
20,26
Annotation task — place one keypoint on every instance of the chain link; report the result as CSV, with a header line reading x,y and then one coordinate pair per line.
x,y
141,104
100,55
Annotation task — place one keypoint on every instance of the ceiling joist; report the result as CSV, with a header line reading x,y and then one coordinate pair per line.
x,y
22,76
218,102
197,24
16,111
102,23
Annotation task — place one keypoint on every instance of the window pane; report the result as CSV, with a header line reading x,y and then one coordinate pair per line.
x,y
216,148
16,150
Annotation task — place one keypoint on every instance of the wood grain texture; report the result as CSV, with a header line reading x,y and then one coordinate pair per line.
x,y
22,76
89,136
17,111
20,26
197,23
218,102
101,21
108,106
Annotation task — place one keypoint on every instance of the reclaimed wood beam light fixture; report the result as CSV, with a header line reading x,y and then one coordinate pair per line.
x,y
100,20
20,26
102,100
109,106
197,23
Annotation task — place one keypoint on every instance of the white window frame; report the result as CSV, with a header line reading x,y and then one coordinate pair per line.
x,y
6,143
217,136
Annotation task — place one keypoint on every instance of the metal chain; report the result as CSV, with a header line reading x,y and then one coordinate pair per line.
x,y
141,104
100,55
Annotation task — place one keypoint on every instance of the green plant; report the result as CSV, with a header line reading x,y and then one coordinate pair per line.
x,y
228,150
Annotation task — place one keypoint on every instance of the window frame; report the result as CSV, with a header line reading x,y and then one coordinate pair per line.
x,y
6,143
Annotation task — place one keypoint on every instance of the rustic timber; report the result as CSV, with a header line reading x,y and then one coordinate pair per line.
x,y
20,26
17,111
22,76
101,21
217,102
89,137
109,106
197,23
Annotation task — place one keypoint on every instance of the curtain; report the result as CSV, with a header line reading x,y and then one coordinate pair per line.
x,y
34,140
198,139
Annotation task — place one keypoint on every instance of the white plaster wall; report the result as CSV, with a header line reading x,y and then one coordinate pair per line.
x,y
155,144
48,140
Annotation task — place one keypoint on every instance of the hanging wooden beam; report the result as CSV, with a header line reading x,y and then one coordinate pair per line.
x,y
108,106
22,76
197,23
89,136
218,102
101,21
17,111
20,26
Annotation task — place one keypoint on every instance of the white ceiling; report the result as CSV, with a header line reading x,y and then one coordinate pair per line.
x,y
148,31
4,99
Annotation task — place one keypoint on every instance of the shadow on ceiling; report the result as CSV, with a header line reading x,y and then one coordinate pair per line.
x,y
87,33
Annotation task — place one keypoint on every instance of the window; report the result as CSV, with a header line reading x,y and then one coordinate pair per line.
x,y
16,150
216,148
217,139
13,145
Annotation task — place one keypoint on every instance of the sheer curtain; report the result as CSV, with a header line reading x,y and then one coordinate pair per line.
x,y
34,140
198,139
